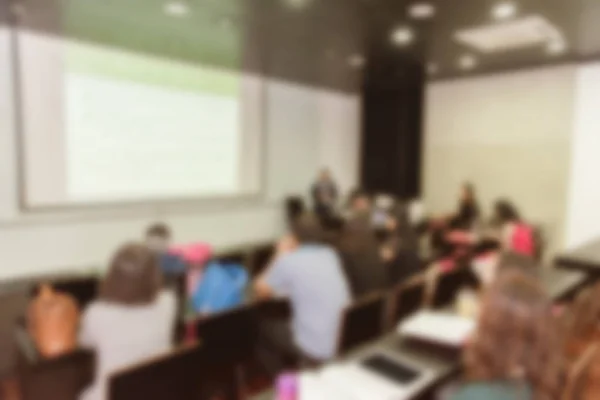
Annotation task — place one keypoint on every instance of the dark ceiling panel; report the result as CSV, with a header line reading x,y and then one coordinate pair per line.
x,y
310,44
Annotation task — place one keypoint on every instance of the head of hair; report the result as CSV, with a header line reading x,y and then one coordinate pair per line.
x,y
582,322
159,230
307,229
505,212
516,339
133,277
359,199
468,192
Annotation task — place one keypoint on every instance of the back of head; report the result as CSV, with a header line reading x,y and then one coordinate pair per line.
x,y
505,212
133,277
516,338
158,237
307,229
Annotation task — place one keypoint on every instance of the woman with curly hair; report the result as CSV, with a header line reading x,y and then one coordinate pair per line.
x,y
515,352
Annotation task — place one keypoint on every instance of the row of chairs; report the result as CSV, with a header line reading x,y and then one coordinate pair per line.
x,y
376,314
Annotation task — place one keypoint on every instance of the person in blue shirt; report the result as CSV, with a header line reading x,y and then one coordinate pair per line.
x,y
310,274
158,240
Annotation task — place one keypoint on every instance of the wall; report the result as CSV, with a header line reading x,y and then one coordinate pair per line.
x,y
508,134
305,128
583,222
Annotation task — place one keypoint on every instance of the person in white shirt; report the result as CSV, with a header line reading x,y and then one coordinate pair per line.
x,y
132,320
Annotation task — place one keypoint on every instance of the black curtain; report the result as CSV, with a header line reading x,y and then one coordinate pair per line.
x,y
392,133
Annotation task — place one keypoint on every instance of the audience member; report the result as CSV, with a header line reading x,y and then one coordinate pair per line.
x,y
311,275
514,352
515,235
132,320
468,209
53,319
158,239
359,204
362,261
324,194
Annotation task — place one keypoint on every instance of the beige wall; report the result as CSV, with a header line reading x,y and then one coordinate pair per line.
x,y
510,135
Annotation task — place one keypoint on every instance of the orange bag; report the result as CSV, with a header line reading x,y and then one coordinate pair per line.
x,y
53,320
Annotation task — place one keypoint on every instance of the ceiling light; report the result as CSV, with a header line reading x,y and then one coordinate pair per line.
x,y
176,8
432,68
556,47
402,36
356,61
421,10
504,10
467,62
297,4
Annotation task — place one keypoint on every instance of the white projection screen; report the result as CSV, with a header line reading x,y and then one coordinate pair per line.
x,y
104,125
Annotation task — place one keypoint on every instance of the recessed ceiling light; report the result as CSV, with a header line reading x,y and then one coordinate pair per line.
x,y
556,47
356,61
467,62
432,68
297,4
402,36
176,8
504,10
421,10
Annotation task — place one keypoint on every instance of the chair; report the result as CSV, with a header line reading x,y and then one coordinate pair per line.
x,y
235,329
406,300
362,322
194,373
449,284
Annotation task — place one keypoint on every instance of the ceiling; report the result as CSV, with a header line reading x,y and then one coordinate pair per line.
x,y
314,41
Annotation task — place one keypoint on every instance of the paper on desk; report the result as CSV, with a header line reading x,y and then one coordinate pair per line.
x,y
347,382
443,328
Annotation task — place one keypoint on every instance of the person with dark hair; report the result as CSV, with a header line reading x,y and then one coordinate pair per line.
x,y
324,193
360,252
515,351
158,240
132,320
468,209
310,274
515,234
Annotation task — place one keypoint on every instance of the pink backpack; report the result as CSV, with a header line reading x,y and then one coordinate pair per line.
x,y
522,241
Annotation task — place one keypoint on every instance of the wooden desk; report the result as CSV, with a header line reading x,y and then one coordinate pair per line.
x,y
446,365
584,258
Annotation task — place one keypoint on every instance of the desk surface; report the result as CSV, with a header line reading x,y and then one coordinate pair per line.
x,y
558,283
583,258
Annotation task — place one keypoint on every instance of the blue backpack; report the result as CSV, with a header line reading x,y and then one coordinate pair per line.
x,y
222,287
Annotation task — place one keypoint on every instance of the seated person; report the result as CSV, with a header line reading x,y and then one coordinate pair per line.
x,y
158,239
514,353
133,319
52,321
468,209
311,275
324,193
359,204
362,262
515,235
